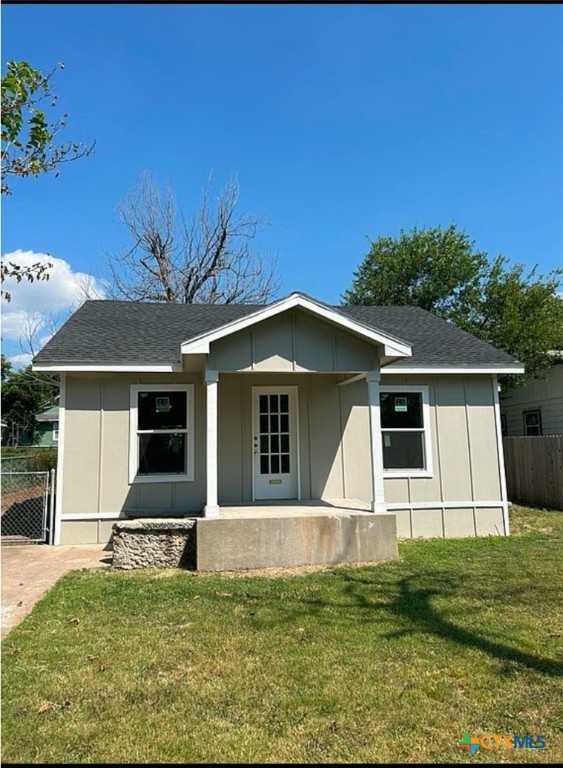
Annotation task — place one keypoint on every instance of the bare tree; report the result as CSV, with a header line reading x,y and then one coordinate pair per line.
x,y
205,259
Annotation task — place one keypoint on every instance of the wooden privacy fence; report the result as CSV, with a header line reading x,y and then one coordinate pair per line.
x,y
534,470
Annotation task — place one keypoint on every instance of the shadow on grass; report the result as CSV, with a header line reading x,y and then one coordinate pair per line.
x,y
413,605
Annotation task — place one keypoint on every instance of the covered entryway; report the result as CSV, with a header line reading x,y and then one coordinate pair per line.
x,y
292,405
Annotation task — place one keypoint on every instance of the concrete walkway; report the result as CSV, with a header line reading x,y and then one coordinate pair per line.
x,y
28,571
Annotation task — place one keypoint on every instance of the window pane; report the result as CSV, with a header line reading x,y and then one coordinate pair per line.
x,y
401,409
284,403
273,404
263,424
263,443
274,423
263,403
264,465
285,443
275,465
162,410
532,424
275,444
403,450
162,454
284,423
285,463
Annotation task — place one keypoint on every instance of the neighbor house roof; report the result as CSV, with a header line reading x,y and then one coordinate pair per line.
x,y
49,414
118,333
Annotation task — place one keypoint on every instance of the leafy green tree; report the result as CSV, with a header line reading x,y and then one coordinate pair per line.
x,y
440,270
29,146
24,393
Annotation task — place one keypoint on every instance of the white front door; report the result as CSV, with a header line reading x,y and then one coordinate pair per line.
x,y
274,443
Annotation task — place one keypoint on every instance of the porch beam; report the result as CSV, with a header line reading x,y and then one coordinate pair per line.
x,y
376,453
351,380
211,508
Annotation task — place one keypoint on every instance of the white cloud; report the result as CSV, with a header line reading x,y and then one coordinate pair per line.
x,y
21,361
37,306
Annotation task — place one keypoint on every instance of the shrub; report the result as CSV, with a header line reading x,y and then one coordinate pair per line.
x,y
28,459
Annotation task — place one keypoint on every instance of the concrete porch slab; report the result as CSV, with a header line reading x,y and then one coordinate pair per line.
x,y
292,536
294,508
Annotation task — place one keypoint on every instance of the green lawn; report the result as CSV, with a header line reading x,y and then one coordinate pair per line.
x,y
368,664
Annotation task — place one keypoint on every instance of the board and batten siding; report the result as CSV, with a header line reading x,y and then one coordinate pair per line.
x,y
95,482
334,452
301,343
545,395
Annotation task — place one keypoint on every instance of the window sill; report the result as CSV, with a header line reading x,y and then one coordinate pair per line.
x,y
407,473
161,479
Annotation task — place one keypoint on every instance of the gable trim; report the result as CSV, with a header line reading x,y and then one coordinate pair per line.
x,y
393,347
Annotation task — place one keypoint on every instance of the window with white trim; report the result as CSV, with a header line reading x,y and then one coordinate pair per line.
x,y
161,433
532,423
405,431
55,431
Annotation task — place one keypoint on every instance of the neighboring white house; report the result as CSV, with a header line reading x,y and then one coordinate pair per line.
x,y
535,408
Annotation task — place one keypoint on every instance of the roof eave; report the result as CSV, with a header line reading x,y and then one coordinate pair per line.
x,y
498,369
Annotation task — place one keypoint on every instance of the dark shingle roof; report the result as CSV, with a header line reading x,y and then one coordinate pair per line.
x,y
122,332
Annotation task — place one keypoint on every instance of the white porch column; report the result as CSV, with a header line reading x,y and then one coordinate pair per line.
x,y
211,385
378,500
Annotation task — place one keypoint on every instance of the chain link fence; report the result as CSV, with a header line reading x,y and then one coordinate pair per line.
x,y
26,463
27,504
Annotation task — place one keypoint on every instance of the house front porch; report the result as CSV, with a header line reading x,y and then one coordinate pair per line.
x,y
259,536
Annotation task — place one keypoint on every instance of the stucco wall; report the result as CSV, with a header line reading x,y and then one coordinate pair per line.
x,y
464,446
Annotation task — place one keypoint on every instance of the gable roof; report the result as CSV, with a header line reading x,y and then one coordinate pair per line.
x,y
393,346
105,333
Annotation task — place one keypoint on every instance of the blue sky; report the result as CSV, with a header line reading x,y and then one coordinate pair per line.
x,y
341,122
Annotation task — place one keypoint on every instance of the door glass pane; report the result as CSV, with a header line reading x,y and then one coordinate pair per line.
x,y
162,410
274,447
403,450
401,410
162,454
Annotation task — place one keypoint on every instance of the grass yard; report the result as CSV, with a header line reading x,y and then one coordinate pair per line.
x,y
353,664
